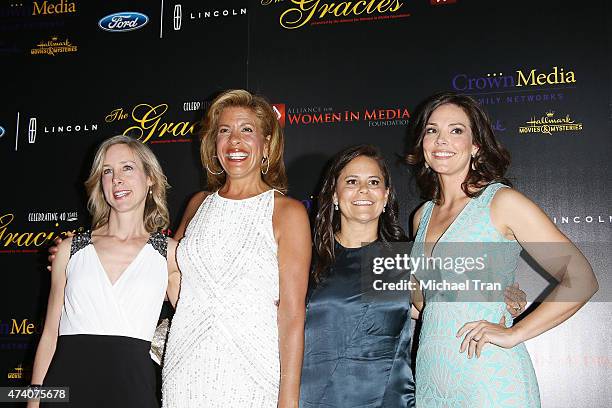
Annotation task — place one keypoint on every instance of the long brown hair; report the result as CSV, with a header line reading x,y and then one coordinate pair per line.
x,y
276,176
327,221
489,163
156,214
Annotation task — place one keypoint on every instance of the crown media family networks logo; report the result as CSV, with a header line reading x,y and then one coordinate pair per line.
x,y
523,86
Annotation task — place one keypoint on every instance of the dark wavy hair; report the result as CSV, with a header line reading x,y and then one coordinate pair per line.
x,y
327,221
489,163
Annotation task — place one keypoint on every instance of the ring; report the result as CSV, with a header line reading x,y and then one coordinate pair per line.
x,y
517,308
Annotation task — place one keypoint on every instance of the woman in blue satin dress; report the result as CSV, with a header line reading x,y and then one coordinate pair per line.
x,y
357,344
356,351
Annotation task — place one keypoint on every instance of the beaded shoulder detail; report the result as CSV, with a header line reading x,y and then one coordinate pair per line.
x,y
160,242
80,241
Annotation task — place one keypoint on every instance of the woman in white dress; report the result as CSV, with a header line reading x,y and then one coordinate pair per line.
x,y
237,337
108,285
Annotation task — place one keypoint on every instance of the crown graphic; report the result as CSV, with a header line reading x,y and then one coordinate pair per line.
x,y
550,113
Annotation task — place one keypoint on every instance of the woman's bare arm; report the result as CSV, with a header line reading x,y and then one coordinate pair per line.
x,y
292,231
48,340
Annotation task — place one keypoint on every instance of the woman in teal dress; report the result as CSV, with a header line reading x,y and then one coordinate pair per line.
x,y
356,346
469,353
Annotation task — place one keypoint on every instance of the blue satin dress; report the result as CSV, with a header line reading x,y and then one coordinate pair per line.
x,y
356,351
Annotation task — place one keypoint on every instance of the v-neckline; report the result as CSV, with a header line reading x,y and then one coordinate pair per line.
x,y
459,214
103,269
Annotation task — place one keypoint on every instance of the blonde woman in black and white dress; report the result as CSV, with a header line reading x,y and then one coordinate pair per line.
x,y
108,285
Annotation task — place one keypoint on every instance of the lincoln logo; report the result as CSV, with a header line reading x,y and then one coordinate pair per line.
x,y
178,17
32,130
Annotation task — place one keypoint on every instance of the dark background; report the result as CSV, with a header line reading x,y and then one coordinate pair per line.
x,y
388,63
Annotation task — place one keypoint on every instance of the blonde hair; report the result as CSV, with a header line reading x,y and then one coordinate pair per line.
x,y
276,176
156,214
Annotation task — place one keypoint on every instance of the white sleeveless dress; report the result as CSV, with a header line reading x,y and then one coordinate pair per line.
x,y
222,349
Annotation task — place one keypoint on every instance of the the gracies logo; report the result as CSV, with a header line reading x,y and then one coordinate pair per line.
x,y
18,241
124,21
314,12
149,122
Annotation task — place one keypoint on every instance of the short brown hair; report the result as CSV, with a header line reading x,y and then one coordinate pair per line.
x,y
276,176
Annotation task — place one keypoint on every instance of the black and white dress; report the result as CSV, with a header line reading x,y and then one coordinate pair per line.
x,y
105,329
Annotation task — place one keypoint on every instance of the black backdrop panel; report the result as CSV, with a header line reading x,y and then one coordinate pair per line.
x,y
339,75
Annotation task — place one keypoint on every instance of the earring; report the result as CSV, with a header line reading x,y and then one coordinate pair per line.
x,y
336,206
385,207
426,165
150,191
212,172
265,159
473,161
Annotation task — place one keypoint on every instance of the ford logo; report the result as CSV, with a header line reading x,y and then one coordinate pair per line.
x,y
124,21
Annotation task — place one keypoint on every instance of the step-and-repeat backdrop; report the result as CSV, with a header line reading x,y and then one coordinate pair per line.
x,y
338,73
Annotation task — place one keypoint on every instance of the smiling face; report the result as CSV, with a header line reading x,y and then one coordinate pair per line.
x,y
447,143
124,182
241,144
361,193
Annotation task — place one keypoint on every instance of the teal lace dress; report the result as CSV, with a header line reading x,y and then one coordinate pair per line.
x,y
444,377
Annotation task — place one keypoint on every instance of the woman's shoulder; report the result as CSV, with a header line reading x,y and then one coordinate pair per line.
x,y
197,199
66,245
287,205
418,215
289,215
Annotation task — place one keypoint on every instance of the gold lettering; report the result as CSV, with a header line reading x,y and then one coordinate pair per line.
x,y
116,114
300,19
18,329
345,12
44,236
149,123
541,80
304,11
38,9
22,239
325,9
397,6
183,128
28,238
383,6
149,120
525,81
355,11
